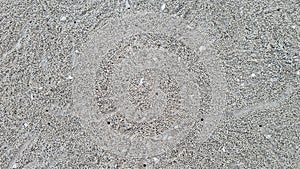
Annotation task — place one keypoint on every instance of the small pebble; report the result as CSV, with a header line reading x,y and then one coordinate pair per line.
x,y
15,166
69,77
141,81
273,79
163,6
63,18
190,27
156,160
202,48
268,136
127,4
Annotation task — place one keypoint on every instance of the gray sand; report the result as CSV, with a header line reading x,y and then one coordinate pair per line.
x,y
150,84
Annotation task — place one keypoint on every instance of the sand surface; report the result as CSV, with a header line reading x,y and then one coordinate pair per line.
x,y
149,84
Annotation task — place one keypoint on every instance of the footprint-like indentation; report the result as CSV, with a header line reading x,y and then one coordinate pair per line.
x,y
140,89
